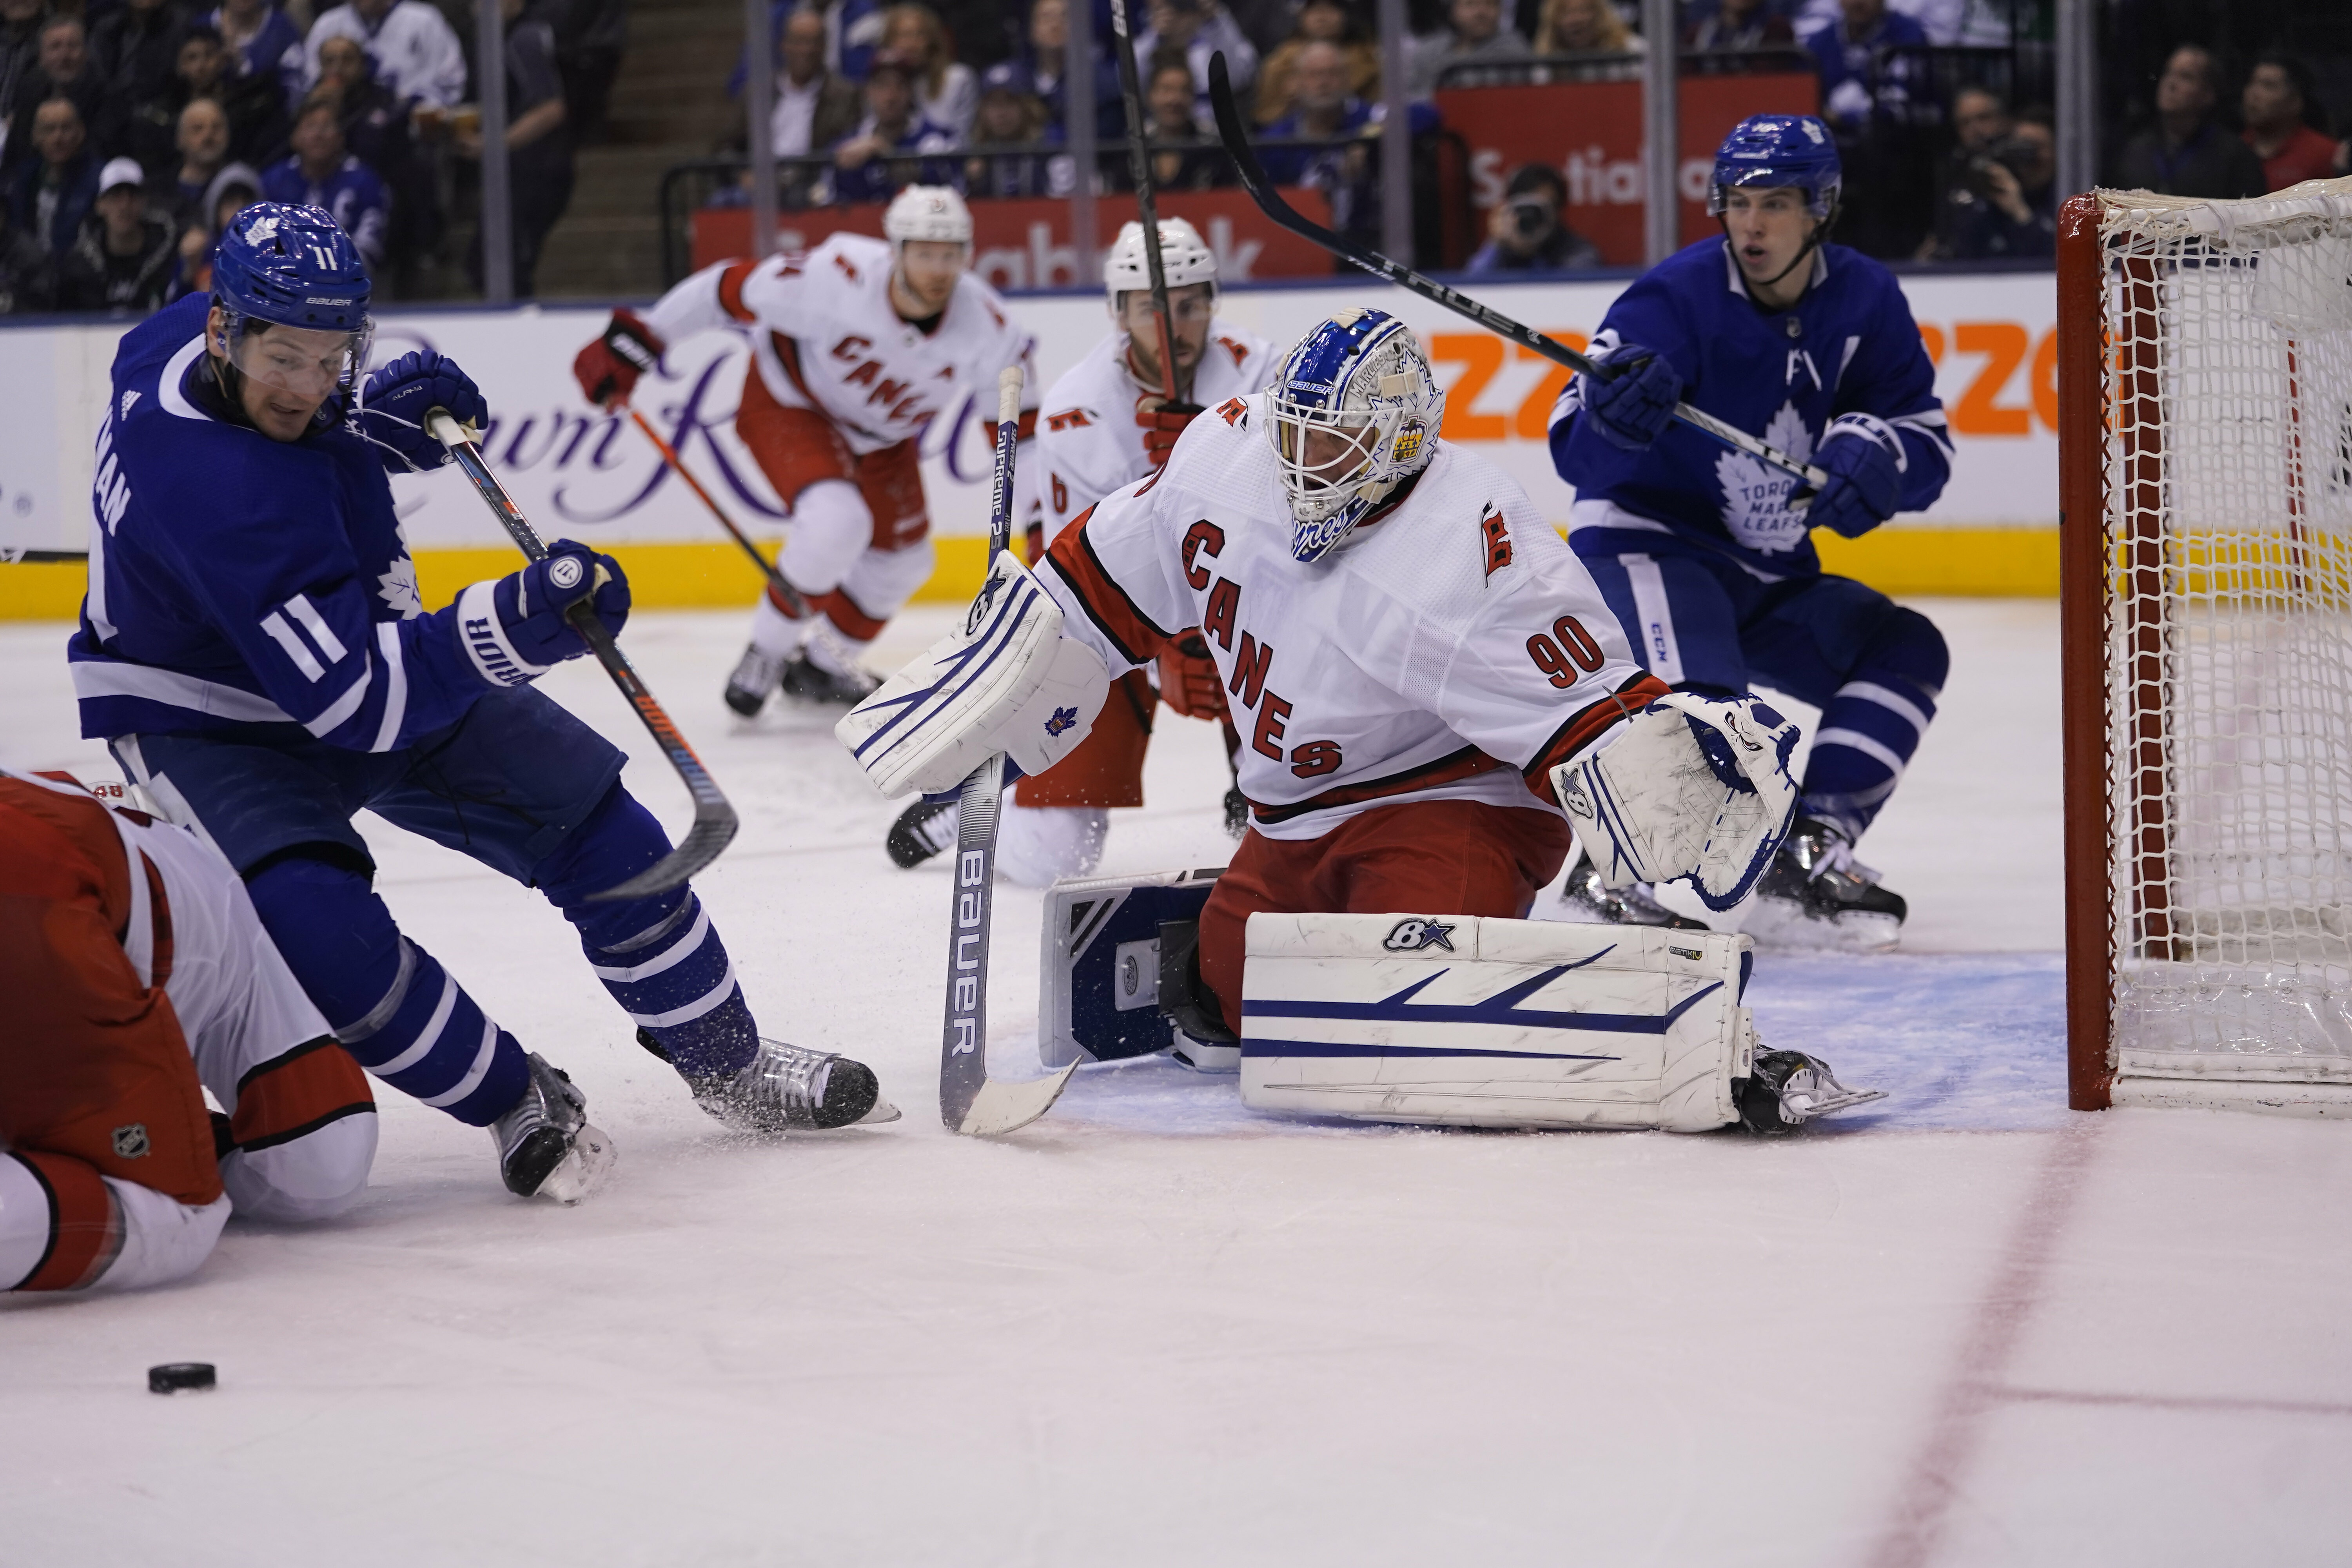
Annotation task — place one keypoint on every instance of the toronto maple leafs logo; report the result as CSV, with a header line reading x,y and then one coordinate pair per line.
x,y
1063,721
1756,495
399,588
1414,935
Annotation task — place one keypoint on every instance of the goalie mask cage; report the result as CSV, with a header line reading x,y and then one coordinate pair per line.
x,y
2205,393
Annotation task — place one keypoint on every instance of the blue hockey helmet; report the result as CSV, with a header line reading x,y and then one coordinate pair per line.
x,y
1352,414
291,266
1779,151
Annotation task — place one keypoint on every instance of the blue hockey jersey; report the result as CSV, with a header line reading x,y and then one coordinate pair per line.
x,y
246,586
1850,346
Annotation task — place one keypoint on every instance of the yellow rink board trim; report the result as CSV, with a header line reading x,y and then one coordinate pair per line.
x,y
1991,563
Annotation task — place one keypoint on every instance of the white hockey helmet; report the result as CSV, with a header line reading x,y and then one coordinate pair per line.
x,y
1359,377
928,211
1184,258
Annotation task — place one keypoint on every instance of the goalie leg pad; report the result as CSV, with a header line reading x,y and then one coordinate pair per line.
x,y
1473,1022
1691,790
1004,680
1099,987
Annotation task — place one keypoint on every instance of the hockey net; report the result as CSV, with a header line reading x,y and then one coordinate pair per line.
x,y
2206,394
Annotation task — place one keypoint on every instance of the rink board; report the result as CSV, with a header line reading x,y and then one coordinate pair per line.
x,y
581,473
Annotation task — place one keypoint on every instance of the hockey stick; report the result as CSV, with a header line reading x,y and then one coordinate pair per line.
x,y
796,606
714,819
969,1100
14,554
1261,190
1139,169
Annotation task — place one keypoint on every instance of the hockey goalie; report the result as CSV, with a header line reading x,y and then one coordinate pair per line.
x,y
1431,694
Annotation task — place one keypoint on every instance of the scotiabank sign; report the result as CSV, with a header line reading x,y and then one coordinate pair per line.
x,y
1024,243
1591,133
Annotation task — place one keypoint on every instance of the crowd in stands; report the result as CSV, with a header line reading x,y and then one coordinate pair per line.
x,y
131,130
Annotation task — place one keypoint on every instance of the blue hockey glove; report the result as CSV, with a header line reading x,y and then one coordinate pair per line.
x,y
1864,460
513,629
400,395
1633,407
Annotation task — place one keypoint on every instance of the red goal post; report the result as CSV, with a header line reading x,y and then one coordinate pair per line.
x,y
2205,517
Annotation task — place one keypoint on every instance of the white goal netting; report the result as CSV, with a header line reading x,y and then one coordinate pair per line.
x,y
2226,342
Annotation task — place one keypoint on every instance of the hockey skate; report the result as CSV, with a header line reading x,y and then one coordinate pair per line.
x,y
924,829
546,1147
806,681
1789,1089
1590,901
756,675
1815,894
791,1089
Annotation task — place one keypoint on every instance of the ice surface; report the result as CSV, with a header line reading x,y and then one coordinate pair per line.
x,y
1961,1326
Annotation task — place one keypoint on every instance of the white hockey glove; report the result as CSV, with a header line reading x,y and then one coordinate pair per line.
x,y
1690,790
1005,681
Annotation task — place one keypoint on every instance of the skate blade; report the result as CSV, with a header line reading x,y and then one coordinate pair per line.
x,y
1791,930
585,1168
1831,1098
1002,1106
881,1114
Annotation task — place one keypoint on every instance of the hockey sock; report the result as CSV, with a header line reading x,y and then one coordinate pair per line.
x,y
398,1013
773,630
660,957
1867,734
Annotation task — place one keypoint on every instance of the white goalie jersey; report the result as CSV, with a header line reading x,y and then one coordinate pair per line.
x,y
1453,649
825,337
1089,442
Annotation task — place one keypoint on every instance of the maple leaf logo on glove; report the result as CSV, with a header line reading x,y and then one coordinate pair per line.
x,y
1063,721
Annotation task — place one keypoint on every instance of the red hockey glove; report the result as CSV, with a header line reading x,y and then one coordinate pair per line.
x,y
1161,423
1188,681
609,367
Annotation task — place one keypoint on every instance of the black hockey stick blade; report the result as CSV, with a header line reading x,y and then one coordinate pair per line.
x,y
1231,132
714,820
14,554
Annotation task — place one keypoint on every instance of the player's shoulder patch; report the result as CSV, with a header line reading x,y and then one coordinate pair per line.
x,y
1495,538
1075,417
1234,411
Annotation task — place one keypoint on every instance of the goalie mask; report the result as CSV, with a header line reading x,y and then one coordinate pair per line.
x,y
1353,415
293,294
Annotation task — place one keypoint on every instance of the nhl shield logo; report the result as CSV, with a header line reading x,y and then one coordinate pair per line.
x,y
1064,720
130,1142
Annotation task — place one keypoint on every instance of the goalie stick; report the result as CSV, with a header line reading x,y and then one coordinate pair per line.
x,y
795,605
1261,190
714,819
969,1100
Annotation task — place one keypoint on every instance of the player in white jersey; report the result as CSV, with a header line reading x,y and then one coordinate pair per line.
x,y
1431,689
1104,423
856,346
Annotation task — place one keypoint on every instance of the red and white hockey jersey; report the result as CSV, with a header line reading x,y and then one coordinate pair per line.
x,y
1452,648
827,337
1089,442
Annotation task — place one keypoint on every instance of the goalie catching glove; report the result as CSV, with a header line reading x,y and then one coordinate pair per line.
x,y
1005,681
1692,790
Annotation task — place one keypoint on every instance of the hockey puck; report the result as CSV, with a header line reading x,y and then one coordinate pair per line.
x,y
173,1377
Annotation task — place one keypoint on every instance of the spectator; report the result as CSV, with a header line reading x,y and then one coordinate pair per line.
x,y
135,52
28,275
64,71
2018,218
1198,29
20,53
1583,27
378,132
234,189
263,42
874,160
322,172
539,166
946,93
1877,97
415,50
1320,22
2276,106
201,142
1325,110
1979,122
590,35
1740,25
54,190
814,107
255,105
1475,33
1048,59
1186,156
126,257
1525,234
1013,117
2186,153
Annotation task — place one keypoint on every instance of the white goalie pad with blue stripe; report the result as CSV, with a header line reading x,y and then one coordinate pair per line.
x,y
1005,679
1477,1022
